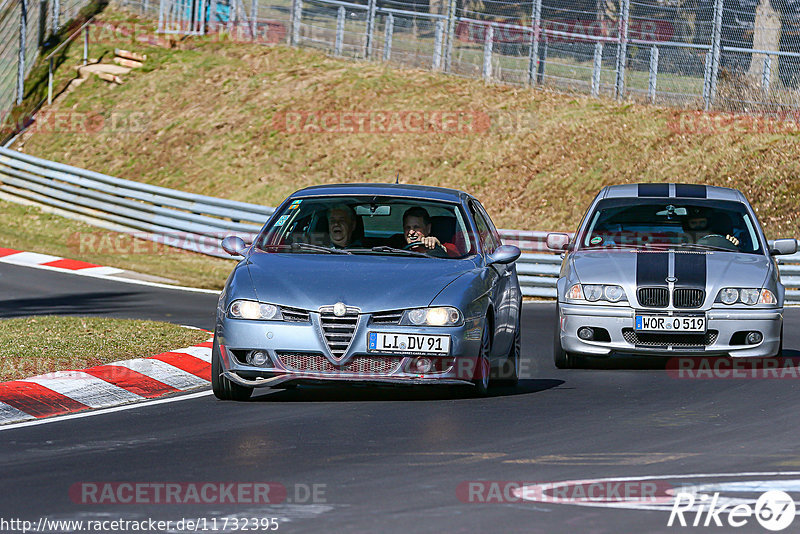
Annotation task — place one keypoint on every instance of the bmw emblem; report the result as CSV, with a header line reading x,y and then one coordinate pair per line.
x,y
339,309
671,279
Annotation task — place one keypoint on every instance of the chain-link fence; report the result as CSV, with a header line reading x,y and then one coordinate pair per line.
x,y
25,26
738,55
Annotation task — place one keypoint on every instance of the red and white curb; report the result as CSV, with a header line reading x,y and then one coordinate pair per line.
x,y
106,385
19,257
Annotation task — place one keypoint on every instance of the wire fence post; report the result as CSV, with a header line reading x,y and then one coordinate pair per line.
x,y
388,31
86,45
55,22
542,62
622,48
253,14
766,75
707,81
340,18
450,35
23,31
598,65
533,51
371,8
437,45
487,53
651,86
297,14
716,52
50,82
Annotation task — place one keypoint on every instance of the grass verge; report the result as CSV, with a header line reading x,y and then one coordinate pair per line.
x,y
32,346
30,229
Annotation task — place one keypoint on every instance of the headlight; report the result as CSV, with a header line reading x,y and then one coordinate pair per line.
x,y
746,295
596,292
729,295
749,296
250,309
442,316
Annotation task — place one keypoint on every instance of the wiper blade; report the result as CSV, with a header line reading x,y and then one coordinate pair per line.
x,y
706,247
392,250
319,248
304,246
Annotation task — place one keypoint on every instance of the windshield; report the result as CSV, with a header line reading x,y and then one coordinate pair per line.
x,y
369,225
701,225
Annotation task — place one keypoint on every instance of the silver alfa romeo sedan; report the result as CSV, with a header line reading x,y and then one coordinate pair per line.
x,y
369,283
668,269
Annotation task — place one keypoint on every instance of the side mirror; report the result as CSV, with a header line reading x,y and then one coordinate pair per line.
x,y
557,241
504,254
234,245
781,247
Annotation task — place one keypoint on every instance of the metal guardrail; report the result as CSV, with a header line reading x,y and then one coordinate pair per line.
x,y
197,222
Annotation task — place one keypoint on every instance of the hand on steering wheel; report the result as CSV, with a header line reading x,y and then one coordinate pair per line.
x,y
414,244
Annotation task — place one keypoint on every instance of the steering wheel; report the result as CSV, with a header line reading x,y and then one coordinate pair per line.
x,y
409,246
716,240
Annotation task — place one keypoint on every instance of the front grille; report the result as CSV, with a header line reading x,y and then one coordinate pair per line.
x,y
315,362
653,297
338,331
387,318
293,315
688,298
675,340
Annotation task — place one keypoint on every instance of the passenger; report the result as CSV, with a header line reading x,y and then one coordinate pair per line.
x,y
341,225
417,231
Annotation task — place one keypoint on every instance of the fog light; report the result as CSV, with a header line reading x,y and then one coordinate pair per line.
x,y
753,338
423,365
586,333
257,357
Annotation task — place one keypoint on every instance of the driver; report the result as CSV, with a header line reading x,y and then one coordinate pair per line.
x,y
417,231
341,224
698,226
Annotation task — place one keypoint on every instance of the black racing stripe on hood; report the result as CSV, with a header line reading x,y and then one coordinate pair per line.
x,y
653,190
691,191
652,269
690,270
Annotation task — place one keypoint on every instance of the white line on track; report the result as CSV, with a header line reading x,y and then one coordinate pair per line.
x,y
113,278
125,407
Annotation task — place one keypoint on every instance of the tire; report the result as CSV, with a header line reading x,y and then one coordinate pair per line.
x,y
223,388
481,374
509,371
562,358
780,346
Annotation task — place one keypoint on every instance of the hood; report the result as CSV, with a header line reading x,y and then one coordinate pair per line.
x,y
712,270
369,282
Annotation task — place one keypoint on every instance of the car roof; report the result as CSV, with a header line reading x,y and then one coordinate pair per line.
x,y
395,190
676,191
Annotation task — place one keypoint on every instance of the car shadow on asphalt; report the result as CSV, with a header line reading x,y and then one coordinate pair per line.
x,y
354,393
789,358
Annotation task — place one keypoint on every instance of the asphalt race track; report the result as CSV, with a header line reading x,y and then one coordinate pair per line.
x,y
399,460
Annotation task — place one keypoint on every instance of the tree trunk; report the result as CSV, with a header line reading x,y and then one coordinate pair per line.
x,y
766,35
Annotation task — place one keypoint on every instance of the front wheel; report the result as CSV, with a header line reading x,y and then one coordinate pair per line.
x,y
562,358
223,388
509,371
482,371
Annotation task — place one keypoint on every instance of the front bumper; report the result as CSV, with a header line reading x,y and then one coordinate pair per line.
x,y
619,320
279,339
